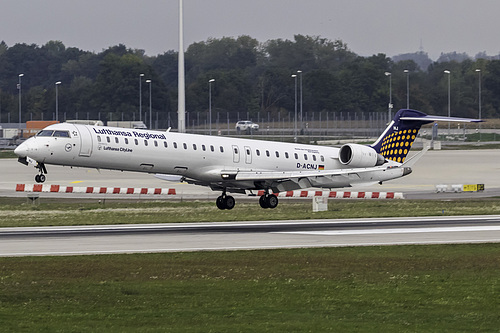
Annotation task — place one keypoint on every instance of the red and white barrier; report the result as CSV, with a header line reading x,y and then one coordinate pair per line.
x,y
94,190
338,194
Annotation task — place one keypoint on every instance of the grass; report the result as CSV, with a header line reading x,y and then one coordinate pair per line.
x,y
452,288
7,154
16,212
435,288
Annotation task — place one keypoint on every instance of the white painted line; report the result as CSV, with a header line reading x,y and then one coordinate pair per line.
x,y
393,231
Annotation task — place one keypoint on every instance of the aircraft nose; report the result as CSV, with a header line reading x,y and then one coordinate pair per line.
x,y
22,150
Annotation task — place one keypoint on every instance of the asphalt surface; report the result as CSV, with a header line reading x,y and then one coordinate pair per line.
x,y
247,235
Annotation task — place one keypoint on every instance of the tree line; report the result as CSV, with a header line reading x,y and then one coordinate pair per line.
x,y
250,78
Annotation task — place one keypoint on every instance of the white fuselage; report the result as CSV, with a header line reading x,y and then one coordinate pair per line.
x,y
199,159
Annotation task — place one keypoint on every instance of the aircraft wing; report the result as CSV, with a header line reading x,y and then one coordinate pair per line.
x,y
283,175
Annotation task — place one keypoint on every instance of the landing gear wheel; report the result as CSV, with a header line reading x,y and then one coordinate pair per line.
x,y
37,178
272,201
220,202
263,202
42,178
229,202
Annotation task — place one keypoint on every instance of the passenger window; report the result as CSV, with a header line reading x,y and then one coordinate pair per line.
x,y
305,157
156,143
286,155
296,156
98,138
165,144
322,158
212,148
108,139
185,145
248,151
194,146
146,143
235,150
257,152
126,141
203,148
221,149
116,140
314,158
175,145
136,142
267,153
277,154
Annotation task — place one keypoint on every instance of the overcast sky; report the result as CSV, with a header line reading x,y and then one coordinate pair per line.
x,y
367,26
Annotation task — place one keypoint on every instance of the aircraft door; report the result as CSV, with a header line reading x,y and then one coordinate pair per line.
x,y
85,141
236,154
248,155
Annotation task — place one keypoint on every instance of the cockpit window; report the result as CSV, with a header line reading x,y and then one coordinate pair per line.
x,y
60,134
45,133
63,134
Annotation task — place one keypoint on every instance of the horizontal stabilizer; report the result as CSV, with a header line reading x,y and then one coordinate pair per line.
x,y
438,118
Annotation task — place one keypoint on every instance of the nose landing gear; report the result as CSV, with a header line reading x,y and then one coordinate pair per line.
x,y
41,177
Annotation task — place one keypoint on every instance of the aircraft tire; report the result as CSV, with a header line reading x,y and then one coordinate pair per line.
x,y
220,202
42,178
263,201
37,178
272,201
229,202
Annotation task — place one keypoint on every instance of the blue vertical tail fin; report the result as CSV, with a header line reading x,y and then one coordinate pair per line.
x,y
397,139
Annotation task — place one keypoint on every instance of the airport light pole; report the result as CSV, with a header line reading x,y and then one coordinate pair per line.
x,y
295,119
301,119
449,98
479,72
407,88
19,88
57,100
389,74
140,96
150,103
210,105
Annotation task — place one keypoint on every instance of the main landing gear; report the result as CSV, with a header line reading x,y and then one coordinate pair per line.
x,y
41,177
225,201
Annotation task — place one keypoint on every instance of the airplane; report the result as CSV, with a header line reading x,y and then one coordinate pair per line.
x,y
227,164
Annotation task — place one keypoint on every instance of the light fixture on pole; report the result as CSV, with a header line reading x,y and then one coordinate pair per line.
x,y
407,88
389,74
295,119
479,130
140,96
150,103
301,119
57,100
449,98
19,88
210,105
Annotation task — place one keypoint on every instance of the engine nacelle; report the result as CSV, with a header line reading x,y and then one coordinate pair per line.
x,y
359,156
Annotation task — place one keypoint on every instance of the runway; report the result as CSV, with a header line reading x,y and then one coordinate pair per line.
x,y
89,240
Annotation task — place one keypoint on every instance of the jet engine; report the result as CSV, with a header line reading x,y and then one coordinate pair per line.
x,y
359,156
